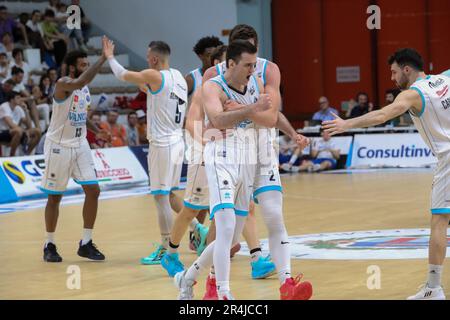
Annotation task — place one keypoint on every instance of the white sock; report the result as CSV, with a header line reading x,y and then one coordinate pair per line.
x,y
223,288
50,238
255,254
87,236
271,205
193,224
204,261
165,218
293,159
434,275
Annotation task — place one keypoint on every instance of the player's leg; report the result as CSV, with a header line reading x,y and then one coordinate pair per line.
x,y
176,202
51,220
84,175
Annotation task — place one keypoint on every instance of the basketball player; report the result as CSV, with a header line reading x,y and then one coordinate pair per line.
x,y
267,189
197,235
67,153
230,162
166,105
427,99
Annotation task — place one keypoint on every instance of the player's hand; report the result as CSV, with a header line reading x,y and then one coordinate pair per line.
x,y
264,103
301,141
231,105
335,126
108,47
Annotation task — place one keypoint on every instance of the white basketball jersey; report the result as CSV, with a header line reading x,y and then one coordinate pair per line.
x,y
197,76
166,109
68,123
433,123
249,96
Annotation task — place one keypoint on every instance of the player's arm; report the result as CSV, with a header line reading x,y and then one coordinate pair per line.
x,y
213,104
269,117
195,117
404,101
210,73
190,82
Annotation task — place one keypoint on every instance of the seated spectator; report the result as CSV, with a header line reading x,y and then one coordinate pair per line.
x,y
85,23
132,129
325,111
5,89
7,45
116,131
46,87
142,126
35,32
324,155
286,148
95,141
20,63
17,76
9,25
4,66
54,40
75,36
16,126
42,105
363,106
53,75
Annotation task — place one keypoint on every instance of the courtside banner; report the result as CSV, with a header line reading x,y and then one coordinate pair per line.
x,y
113,166
390,150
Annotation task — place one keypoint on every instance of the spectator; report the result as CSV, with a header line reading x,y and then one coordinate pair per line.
x,y
4,66
5,89
42,105
20,63
363,106
116,131
35,32
7,45
46,87
85,23
75,36
324,155
142,126
17,76
9,25
53,6
94,140
55,41
132,129
286,148
53,75
13,117
325,111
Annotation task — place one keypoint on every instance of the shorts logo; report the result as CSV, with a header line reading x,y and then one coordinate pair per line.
x,y
199,189
227,195
13,172
57,151
222,154
225,182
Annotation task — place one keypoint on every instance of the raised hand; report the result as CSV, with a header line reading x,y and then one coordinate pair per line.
x,y
335,126
108,47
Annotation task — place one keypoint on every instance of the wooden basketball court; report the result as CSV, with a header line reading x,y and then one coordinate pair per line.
x,y
126,228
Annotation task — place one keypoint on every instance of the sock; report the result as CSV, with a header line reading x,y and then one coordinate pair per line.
x,y
223,288
205,260
255,254
212,273
87,236
50,238
293,159
434,275
165,239
193,224
173,248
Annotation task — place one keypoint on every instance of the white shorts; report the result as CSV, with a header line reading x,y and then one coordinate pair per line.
x,y
267,173
440,190
197,192
165,164
62,163
230,178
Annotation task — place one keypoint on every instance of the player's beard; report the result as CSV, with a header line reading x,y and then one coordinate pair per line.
x,y
403,83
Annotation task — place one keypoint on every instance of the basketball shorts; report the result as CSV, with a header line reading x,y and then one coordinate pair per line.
x,y
267,173
62,163
440,191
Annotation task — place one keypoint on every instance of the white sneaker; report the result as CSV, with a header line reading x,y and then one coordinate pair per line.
x,y
226,296
286,167
427,293
316,168
185,286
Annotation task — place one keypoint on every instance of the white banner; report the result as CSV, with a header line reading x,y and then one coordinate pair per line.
x,y
390,150
113,166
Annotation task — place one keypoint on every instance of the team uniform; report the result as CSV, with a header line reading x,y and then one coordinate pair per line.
x,y
231,161
166,108
433,124
197,76
267,173
67,152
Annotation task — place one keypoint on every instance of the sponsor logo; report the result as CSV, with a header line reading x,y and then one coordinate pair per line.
x,y
402,152
57,151
446,103
252,91
443,92
437,83
227,195
358,245
13,172
75,99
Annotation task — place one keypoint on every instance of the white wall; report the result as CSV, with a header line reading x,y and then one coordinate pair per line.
x,y
134,23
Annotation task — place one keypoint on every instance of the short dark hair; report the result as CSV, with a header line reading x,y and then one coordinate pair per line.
x,y
6,34
3,54
218,53
12,95
96,113
10,82
206,42
34,12
49,13
16,70
237,48
362,93
243,32
3,8
73,56
407,57
16,51
160,47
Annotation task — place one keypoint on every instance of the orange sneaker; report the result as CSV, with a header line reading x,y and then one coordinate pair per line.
x,y
293,289
211,289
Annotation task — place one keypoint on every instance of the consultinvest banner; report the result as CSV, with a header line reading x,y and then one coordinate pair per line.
x,y
390,150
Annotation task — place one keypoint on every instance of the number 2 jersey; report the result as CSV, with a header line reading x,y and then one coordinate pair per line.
x,y
68,123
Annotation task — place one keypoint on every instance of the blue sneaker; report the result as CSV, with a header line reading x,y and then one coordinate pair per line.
x,y
171,263
201,233
154,257
262,268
